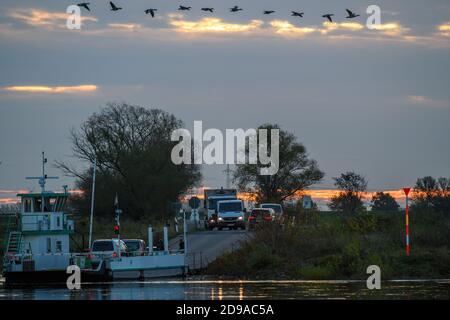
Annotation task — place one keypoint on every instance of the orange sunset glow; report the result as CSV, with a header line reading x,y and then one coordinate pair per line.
x,y
56,89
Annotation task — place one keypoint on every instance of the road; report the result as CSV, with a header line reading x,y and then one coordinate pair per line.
x,y
205,246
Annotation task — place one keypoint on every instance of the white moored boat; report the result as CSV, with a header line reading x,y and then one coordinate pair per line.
x,y
37,248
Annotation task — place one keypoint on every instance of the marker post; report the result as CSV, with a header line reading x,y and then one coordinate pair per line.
x,y
406,191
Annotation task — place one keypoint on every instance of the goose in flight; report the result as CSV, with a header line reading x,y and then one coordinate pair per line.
x,y
113,7
235,9
84,5
268,11
351,14
151,11
297,14
182,8
328,16
208,9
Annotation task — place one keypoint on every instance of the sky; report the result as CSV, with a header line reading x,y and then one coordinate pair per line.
x,y
373,101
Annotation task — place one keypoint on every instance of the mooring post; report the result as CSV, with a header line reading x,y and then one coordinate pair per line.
x,y
150,240
166,239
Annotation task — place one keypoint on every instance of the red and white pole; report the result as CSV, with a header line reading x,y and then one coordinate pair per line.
x,y
407,190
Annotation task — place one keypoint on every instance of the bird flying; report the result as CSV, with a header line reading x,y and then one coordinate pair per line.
x,y
113,7
182,8
351,14
235,9
328,16
84,5
208,9
268,11
297,14
151,11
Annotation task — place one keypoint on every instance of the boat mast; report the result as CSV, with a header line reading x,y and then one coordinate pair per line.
x,y
92,203
42,180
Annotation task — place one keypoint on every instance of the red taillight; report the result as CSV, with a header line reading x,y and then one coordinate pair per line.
x,y
89,256
114,254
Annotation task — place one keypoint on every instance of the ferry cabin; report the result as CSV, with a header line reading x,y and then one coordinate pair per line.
x,y
40,244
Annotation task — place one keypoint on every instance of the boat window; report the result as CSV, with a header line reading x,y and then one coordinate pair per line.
x,y
49,245
37,204
49,204
102,246
27,205
132,245
58,246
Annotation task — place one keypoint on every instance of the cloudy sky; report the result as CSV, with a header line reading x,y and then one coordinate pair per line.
x,y
373,101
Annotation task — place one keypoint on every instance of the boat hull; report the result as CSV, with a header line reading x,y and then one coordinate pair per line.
x,y
35,277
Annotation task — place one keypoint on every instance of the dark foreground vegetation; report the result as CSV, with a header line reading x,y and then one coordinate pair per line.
x,y
324,245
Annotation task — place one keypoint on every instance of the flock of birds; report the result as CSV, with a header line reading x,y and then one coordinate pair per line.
x,y
152,11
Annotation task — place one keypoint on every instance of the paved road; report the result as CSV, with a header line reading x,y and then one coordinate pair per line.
x,y
206,246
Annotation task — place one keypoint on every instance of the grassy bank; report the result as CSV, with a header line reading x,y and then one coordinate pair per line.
x,y
335,246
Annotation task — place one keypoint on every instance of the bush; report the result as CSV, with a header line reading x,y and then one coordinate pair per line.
x,y
336,246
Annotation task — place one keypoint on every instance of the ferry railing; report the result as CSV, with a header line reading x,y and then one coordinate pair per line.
x,y
26,256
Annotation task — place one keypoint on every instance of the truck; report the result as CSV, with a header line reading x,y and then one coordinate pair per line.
x,y
211,198
230,214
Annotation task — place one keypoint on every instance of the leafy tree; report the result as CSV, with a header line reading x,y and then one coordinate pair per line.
x,y
132,147
433,194
384,202
352,187
296,171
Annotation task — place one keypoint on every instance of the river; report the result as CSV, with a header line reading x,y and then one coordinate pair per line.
x,y
209,289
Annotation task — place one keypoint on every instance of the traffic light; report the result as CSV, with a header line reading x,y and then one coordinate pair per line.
x,y
116,229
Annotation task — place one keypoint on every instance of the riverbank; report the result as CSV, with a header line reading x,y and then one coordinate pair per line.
x,y
323,246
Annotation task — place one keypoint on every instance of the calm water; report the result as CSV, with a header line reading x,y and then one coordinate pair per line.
x,y
194,288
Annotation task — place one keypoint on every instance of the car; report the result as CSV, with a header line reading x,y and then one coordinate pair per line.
x,y
104,249
230,214
276,207
260,215
136,247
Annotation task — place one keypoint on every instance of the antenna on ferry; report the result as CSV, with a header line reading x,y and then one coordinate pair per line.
x,y
42,179
91,219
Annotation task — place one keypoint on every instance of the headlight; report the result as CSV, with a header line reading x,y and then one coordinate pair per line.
x,y
220,219
241,218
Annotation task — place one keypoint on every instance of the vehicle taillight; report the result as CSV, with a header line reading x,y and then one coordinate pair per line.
x,y
114,254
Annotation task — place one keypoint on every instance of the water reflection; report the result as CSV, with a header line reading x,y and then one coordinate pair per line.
x,y
201,289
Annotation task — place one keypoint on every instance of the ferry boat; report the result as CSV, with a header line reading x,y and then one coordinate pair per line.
x,y
37,248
